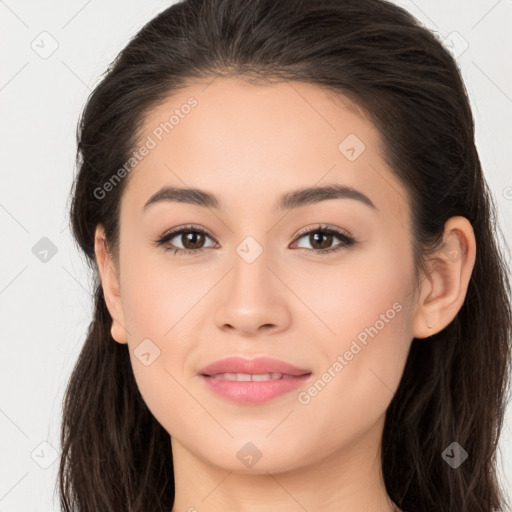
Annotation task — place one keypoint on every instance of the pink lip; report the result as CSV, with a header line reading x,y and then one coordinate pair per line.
x,y
252,366
253,392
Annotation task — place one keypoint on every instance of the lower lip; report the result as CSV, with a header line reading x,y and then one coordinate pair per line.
x,y
254,392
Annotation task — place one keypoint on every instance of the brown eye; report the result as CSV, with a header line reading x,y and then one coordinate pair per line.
x,y
191,238
323,240
322,237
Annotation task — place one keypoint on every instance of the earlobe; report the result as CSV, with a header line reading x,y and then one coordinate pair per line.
x,y
110,284
118,332
444,290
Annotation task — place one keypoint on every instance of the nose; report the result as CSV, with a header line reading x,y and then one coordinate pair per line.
x,y
253,299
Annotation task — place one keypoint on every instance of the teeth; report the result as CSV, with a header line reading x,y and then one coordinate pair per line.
x,y
241,377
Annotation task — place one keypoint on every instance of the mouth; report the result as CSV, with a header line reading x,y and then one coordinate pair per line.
x,y
252,381
258,377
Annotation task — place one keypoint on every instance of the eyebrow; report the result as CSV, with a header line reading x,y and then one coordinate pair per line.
x,y
288,201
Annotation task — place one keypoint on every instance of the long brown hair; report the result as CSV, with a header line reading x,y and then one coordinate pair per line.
x,y
115,455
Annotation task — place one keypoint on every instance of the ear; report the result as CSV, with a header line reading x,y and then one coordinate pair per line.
x,y
110,284
443,291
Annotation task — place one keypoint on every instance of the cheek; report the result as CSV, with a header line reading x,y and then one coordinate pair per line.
x,y
157,295
363,320
155,313
362,363
159,306
349,298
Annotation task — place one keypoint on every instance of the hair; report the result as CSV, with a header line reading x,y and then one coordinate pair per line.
x,y
115,455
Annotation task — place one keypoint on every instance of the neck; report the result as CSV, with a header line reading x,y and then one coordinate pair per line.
x,y
346,480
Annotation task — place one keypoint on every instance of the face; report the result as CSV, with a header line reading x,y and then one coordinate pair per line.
x,y
324,281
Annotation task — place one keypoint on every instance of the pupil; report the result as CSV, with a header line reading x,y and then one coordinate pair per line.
x,y
195,236
325,245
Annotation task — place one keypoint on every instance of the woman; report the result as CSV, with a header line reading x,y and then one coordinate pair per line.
x,y
300,300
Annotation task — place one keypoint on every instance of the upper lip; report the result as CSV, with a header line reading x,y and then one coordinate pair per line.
x,y
259,365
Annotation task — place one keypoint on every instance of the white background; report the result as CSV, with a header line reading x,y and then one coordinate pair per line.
x,y
46,307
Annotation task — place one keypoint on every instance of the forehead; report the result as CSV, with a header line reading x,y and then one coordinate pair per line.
x,y
241,141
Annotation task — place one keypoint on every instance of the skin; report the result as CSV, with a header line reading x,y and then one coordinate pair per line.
x,y
249,144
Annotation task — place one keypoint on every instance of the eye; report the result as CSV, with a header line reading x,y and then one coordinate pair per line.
x,y
322,237
191,237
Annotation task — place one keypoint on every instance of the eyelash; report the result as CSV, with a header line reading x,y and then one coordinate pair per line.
x,y
346,240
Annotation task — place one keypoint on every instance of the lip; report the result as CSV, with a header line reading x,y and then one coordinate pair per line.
x,y
253,392
252,366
